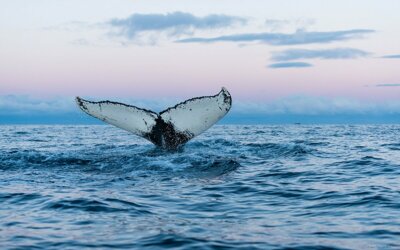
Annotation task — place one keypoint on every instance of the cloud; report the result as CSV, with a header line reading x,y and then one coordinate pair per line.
x,y
174,24
63,110
299,37
81,42
22,104
315,105
314,109
276,24
74,26
290,65
296,24
392,56
388,85
24,109
299,54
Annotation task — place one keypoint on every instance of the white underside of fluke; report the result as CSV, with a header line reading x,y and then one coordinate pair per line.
x,y
198,114
123,116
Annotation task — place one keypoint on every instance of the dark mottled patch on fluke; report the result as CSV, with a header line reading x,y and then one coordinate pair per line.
x,y
164,135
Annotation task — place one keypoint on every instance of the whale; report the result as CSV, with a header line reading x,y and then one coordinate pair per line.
x,y
168,129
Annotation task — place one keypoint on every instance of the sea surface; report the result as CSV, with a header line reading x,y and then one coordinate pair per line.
x,y
239,187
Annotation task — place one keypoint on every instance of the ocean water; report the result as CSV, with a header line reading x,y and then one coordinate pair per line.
x,y
239,187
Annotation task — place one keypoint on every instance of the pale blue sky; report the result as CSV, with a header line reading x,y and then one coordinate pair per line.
x,y
264,52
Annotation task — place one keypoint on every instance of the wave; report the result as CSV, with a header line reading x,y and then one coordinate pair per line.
x,y
281,150
109,205
153,160
392,146
19,198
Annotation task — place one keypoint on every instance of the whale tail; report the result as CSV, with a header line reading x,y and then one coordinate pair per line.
x,y
169,128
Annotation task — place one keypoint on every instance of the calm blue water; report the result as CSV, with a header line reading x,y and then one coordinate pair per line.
x,y
245,187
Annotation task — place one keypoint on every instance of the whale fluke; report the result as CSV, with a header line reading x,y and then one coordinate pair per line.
x,y
170,128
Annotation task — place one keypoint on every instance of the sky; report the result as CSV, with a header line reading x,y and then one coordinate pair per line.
x,y
282,61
